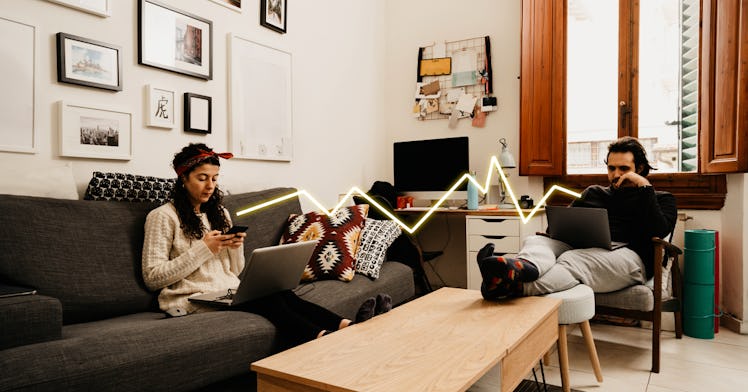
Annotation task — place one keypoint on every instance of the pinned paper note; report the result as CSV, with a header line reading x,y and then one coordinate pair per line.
x,y
440,49
466,103
453,94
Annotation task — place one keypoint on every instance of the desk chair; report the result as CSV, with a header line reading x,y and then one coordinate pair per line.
x,y
645,301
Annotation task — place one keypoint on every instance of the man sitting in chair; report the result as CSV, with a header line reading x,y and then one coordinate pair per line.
x,y
636,213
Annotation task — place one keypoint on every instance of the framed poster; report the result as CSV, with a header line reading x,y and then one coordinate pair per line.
x,y
273,15
17,128
235,5
94,132
160,107
197,113
96,7
174,40
260,104
89,63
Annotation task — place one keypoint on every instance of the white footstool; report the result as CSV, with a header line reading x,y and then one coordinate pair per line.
x,y
578,307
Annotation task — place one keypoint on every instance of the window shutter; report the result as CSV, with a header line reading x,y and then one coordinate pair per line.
x,y
723,140
542,88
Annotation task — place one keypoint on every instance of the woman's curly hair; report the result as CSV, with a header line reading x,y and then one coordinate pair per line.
x,y
190,223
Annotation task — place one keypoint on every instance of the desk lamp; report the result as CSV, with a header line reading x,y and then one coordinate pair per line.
x,y
506,159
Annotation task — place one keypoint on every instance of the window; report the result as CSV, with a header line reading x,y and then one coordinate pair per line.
x,y
600,46
668,101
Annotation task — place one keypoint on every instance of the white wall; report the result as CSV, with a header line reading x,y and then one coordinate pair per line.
x,y
416,23
733,256
336,48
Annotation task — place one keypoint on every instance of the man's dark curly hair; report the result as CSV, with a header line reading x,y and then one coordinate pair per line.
x,y
630,144
189,221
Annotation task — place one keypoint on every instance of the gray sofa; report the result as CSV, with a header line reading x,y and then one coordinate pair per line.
x,y
94,326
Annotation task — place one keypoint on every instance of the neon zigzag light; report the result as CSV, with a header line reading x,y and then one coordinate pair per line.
x,y
429,212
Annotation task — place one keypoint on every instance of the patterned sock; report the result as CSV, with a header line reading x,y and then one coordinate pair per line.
x,y
366,310
502,276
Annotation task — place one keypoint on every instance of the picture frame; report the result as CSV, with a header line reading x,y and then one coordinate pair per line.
x,y
273,14
260,101
96,7
18,78
197,113
160,107
234,5
174,40
87,62
87,131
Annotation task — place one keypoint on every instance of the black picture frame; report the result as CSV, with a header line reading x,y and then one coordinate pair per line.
x,y
273,14
87,62
196,118
185,48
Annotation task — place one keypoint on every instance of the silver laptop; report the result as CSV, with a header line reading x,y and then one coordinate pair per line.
x,y
581,227
267,271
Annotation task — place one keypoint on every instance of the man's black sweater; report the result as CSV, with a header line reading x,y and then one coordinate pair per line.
x,y
635,216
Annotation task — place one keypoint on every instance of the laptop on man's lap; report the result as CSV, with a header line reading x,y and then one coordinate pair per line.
x,y
267,271
581,227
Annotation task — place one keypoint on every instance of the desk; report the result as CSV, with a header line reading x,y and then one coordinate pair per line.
x,y
458,266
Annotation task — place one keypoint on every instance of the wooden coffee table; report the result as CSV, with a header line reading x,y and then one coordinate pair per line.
x,y
444,341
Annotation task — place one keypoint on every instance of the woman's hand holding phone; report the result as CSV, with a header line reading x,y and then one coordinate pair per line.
x,y
217,241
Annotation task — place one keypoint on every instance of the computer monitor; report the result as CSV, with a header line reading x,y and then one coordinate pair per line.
x,y
426,169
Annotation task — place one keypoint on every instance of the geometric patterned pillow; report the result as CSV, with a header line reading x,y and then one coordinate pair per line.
x,y
337,238
376,238
128,187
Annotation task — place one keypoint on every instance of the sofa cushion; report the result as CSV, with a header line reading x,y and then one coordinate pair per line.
x,y
344,299
142,352
376,238
266,225
87,254
337,239
28,319
128,187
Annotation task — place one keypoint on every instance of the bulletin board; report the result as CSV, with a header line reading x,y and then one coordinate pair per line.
x,y
453,49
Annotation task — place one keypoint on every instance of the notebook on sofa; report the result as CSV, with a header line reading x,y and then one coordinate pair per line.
x,y
268,270
581,227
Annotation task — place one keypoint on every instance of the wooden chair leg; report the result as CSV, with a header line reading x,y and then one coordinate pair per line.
x,y
656,325
587,333
678,325
563,358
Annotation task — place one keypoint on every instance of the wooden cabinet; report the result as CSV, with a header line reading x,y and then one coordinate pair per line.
x,y
505,232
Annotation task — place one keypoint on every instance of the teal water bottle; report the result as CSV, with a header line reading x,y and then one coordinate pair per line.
x,y
472,195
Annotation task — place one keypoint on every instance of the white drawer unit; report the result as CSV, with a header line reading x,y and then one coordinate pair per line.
x,y
505,232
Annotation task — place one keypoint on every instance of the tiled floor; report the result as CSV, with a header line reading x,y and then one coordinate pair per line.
x,y
688,364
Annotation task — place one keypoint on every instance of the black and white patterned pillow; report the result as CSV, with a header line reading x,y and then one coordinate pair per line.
x,y
128,187
376,237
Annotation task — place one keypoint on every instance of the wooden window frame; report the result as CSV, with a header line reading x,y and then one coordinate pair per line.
x,y
543,107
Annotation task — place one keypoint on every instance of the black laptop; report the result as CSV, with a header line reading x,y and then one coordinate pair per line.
x,y
581,227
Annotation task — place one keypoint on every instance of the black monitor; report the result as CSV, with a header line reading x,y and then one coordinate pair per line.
x,y
425,169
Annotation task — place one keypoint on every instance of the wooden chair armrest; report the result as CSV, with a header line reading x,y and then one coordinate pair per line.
x,y
669,248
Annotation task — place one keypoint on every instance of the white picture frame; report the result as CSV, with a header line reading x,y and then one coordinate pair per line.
x,y
96,7
17,128
160,107
234,5
94,132
261,101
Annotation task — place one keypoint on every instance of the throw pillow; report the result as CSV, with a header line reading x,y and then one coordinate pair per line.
x,y
128,187
376,238
54,181
337,239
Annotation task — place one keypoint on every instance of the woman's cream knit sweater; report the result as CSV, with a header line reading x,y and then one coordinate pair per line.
x,y
181,266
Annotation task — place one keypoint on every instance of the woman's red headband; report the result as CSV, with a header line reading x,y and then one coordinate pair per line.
x,y
203,155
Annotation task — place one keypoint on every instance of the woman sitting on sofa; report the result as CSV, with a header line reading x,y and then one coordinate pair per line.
x,y
185,253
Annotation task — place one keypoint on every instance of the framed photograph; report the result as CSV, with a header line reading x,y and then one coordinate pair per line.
x,y
174,40
89,63
273,15
94,132
96,7
235,5
197,113
160,108
17,76
260,101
